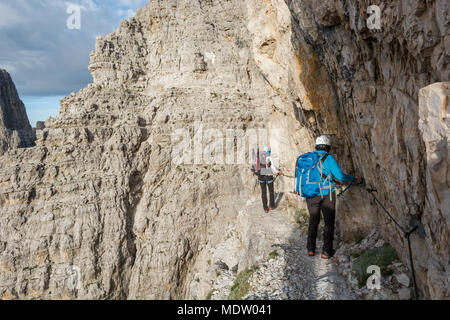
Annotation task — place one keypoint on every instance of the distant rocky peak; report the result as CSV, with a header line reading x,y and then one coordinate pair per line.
x,y
15,128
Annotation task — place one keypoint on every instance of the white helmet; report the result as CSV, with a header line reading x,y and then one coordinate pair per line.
x,y
267,150
323,140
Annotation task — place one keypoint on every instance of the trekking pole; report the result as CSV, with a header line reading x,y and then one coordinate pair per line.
x,y
406,234
343,191
361,183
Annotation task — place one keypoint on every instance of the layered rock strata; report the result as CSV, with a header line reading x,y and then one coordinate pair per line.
x,y
104,206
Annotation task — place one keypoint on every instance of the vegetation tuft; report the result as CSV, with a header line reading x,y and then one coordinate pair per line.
x,y
301,216
273,255
241,285
381,257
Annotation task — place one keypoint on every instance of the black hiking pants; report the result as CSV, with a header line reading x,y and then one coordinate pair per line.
x,y
264,184
328,208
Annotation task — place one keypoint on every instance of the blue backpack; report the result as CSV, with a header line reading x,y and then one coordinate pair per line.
x,y
309,174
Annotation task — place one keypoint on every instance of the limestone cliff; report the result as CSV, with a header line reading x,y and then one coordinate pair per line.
x,y
101,196
375,77
15,129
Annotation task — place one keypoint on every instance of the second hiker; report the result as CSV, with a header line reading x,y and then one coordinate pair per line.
x,y
265,168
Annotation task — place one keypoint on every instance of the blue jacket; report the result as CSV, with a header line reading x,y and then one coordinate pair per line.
x,y
330,165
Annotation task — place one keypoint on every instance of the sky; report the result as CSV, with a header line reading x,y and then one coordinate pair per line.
x,y
46,48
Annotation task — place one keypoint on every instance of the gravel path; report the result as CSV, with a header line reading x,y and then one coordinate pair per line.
x,y
288,273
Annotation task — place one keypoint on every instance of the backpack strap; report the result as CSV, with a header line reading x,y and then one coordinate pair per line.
x,y
322,162
298,178
320,167
296,166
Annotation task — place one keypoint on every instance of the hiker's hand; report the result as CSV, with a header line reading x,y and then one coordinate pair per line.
x,y
358,178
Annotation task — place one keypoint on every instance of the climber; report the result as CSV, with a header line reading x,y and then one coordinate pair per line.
x,y
265,168
316,173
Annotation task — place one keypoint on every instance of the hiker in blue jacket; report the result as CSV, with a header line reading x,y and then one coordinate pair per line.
x,y
325,201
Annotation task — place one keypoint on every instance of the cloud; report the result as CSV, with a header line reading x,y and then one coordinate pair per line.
x,y
127,13
9,16
44,57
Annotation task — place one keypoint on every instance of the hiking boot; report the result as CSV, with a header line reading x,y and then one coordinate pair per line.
x,y
326,255
311,253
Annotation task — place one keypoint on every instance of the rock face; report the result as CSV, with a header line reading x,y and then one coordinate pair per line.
x,y
434,106
127,193
375,76
15,129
